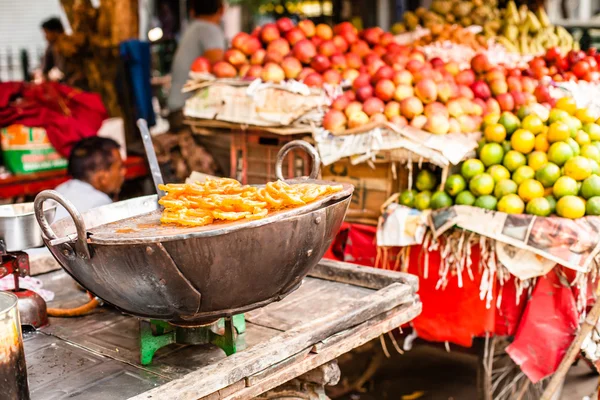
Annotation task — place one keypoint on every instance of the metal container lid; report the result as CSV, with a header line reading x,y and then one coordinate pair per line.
x,y
8,301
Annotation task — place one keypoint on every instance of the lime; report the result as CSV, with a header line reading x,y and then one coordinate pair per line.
x,y
565,186
506,146
523,173
465,198
511,204
557,115
426,180
593,130
505,187
595,167
498,172
482,184
567,104
510,122
559,153
548,174
592,207
591,187
423,200
488,202
530,189
513,160
558,132
455,184
482,142
578,168
585,115
440,199
570,207
522,141
407,198
533,124
471,167
552,202
582,138
539,206
574,125
495,133
590,151
491,154
524,112
537,160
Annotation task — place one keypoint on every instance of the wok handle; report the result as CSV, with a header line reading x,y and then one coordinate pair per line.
x,y
294,144
81,246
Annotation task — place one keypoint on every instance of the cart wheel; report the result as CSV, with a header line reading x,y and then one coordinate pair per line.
x,y
499,378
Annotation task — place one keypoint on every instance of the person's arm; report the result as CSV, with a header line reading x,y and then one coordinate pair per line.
x,y
214,44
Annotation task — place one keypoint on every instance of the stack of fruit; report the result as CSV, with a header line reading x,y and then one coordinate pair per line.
x,y
529,164
563,66
465,13
453,34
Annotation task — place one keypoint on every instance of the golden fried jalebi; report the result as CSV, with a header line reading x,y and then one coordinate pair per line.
x,y
200,204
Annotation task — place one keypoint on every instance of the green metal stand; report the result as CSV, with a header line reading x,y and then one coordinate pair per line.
x,y
155,334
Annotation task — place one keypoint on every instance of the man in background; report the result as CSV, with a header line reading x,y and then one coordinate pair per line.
x,y
53,63
202,37
97,174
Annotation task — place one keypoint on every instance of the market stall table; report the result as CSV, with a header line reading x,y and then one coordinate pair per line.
x,y
338,307
32,184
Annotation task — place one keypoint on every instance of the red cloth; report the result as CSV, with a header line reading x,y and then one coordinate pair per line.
x,y
67,114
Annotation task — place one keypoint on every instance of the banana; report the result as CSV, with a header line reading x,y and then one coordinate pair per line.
x,y
543,17
534,23
523,45
523,13
511,13
510,46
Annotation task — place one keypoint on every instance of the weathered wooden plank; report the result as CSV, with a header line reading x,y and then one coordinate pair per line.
x,y
226,392
371,278
238,366
260,376
363,334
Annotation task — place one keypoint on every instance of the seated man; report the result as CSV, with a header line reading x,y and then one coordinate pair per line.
x,y
97,173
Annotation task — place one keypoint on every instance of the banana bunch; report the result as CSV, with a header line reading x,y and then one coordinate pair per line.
x,y
526,32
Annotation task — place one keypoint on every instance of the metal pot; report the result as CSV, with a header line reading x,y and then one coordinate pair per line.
x,y
13,370
191,276
18,227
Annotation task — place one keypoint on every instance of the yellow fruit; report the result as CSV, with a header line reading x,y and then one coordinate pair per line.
x,y
565,186
578,168
498,172
582,138
495,133
522,174
533,124
530,189
567,104
541,142
522,141
511,204
585,115
537,160
558,132
570,207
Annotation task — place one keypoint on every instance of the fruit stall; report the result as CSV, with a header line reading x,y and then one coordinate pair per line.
x,y
472,134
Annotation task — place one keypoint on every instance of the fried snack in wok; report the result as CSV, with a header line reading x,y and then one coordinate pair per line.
x,y
224,199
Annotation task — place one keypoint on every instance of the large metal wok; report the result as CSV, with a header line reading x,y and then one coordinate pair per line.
x,y
192,276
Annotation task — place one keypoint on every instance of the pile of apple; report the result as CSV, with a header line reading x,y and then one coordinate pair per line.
x,y
572,66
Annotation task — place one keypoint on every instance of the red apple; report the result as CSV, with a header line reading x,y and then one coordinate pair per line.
x,y
305,73
243,70
361,48
327,48
384,72
374,66
403,92
235,58
466,77
239,40
492,106
340,44
222,69
379,50
349,36
373,105
465,91
480,63
384,89
542,94
292,67
350,75
324,31
272,73
446,90
426,91
414,66
353,107
498,86
340,103
453,68
392,109
495,73
402,77
418,121
294,35
304,51
314,80
481,89
285,24
254,71
411,107
251,46
308,27
361,80
399,121
479,107
332,77
437,62
437,124
357,119
435,108
519,99
353,60
514,84
363,93
529,84
258,58
344,27
334,121
372,35
320,63
269,33
506,102
200,64
279,45
273,57
386,39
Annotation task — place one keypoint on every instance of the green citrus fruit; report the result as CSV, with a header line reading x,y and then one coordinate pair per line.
x,y
510,122
491,154
423,200
539,206
578,168
482,184
537,159
593,130
511,204
498,172
530,189
505,187
440,199
407,198
574,146
590,151
567,104
533,124
582,138
552,202
558,132
522,141
465,198
572,207
455,184
592,207
557,115
559,153
471,167
574,125
565,186
591,187
548,174
513,160
426,180
488,202
494,133
523,173
524,112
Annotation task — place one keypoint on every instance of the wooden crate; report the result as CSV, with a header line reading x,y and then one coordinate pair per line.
x,y
373,184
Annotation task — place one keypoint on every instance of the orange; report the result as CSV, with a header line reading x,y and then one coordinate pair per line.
x,y
567,104
537,160
495,133
578,168
585,115
530,189
522,141
570,207
558,132
541,142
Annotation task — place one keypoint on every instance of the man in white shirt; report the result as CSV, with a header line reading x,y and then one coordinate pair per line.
x,y
97,172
